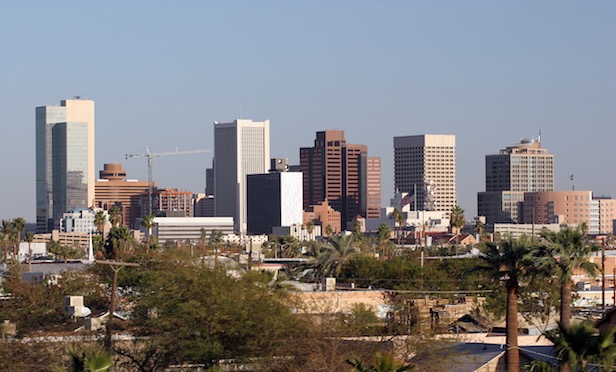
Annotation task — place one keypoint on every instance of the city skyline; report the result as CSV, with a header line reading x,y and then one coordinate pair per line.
x,y
487,73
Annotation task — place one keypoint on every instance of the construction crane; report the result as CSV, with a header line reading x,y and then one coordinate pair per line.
x,y
149,154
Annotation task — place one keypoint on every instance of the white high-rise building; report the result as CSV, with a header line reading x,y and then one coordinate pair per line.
x,y
241,147
425,166
65,173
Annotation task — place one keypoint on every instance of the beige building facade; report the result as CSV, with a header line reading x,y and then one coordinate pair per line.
x,y
426,165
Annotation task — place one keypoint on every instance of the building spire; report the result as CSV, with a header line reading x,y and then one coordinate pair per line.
x,y
90,250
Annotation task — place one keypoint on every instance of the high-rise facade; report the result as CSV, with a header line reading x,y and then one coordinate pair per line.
x,y
273,200
425,165
64,160
113,188
338,173
520,168
241,147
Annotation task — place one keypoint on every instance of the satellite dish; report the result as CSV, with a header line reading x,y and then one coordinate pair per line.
x,y
82,311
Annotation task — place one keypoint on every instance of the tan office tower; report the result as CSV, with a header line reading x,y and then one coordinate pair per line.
x,y
113,188
373,188
339,173
426,165
65,173
241,147
520,168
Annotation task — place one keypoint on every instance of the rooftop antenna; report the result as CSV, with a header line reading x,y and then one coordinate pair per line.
x,y
539,138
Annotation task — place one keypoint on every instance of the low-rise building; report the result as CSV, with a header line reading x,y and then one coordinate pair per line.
x,y
189,228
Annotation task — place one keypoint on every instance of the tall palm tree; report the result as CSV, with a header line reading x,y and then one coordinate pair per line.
x,y
6,229
99,220
29,238
310,228
115,216
19,226
335,254
118,237
563,253
399,219
329,230
511,262
148,223
456,219
383,235
479,227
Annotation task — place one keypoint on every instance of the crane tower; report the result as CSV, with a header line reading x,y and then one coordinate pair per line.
x,y
149,154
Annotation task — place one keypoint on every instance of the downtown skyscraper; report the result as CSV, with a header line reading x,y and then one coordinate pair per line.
x,y
241,147
341,174
65,174
520,168
425,166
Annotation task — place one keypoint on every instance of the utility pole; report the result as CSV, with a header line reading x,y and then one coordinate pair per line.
x,y
115,266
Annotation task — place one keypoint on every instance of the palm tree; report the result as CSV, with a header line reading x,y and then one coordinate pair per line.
x,y
456,219
115,216
99,220
148,223
335,254
29,238
118,237
399,219
310,228
511,261
581,345
565,252
19,226
329,230
479,227
6,228
382,237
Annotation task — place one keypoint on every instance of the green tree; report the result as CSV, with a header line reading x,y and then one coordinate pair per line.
x,y
99,220
19,226
115,216
511,261
479,227
563,253
581,345
457,219
62,251
148,223
310,227
399,219
382,239
336,253
192,315
117,241
6,229
329,230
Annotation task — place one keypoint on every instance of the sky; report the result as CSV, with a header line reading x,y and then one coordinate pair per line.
x,y
160,73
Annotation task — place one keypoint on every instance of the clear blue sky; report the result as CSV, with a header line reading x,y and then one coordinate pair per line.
x,y
161,72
